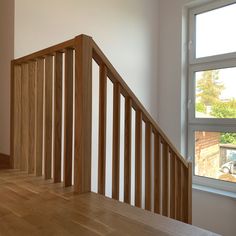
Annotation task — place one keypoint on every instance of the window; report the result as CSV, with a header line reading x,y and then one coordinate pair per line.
x,y
212,94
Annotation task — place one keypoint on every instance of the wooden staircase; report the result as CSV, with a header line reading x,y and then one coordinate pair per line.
x,y
51,88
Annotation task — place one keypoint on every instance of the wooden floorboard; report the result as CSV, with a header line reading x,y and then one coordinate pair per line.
x,y
33,206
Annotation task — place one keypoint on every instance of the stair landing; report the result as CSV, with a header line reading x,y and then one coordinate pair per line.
x,y
32,206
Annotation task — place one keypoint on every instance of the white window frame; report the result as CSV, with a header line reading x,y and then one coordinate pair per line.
x,y
206,124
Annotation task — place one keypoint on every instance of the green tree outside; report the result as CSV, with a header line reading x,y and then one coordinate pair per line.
x,y
210,89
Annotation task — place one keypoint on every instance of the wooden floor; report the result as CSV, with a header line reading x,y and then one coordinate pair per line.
x,y
32,206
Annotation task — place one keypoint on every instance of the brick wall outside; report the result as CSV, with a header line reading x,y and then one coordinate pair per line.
x,y
207,153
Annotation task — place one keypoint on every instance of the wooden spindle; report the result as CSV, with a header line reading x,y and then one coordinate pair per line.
x,y
12,117
178,189
184,201
17,116
57,145
189,183
138,159
165,181
83,113
68,117
116,143
48,117
157,173
32,117
39,116
127,151
102,129
172,186
24,118
148,174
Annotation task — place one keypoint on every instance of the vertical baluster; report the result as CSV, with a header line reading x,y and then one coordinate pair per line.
x,y
178,186
127,154
186,186
189,183
17,116
138,159
157,173
172,186
32,118
39,116
116,143
83,113
24,118
184,203
183,191
12,117
102,129
165,181
148,166
68,117
57,117
48,117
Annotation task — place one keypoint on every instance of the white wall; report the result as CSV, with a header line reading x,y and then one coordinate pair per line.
x,y
126,30
212,212
6,55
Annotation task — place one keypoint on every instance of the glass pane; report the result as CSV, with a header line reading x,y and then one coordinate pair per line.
x,y
215,95
215,155
215,31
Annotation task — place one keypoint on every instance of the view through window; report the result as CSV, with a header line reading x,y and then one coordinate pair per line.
x,y
212,116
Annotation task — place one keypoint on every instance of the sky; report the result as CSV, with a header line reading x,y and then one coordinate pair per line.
x,y
216,31
216,34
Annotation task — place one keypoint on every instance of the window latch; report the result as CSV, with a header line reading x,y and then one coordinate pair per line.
x,y
189,103
190,45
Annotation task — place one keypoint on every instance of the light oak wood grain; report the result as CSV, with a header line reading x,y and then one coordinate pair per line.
x,y
68,117
24,118
127,151
165,180
83,113
172,186
33,206
17,117
39,117
57,145
148,174
157,174
32,117
138,158
48,117
12,114
116,143
102,129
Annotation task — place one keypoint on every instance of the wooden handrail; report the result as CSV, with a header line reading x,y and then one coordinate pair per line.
x,y
172,176
61,47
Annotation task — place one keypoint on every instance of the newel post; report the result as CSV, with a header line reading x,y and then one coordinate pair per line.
x,y
83,113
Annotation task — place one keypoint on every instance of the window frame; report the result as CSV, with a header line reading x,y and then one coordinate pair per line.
x,y
221,61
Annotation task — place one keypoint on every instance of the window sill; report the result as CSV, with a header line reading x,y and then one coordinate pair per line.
x,y
214,191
